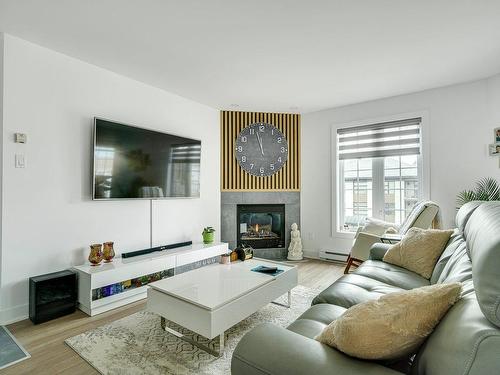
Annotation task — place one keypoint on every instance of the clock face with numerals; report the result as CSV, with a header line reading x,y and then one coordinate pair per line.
x,y
261,149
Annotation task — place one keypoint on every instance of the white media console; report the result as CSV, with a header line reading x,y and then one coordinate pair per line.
x,y
111,285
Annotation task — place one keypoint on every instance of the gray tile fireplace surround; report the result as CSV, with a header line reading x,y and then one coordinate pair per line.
x,y
229,201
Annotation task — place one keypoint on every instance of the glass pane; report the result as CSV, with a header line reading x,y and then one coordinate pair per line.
x,y
365,164
401,187
409,161
409,172
391,162
350,165
348,199
392,172
365,174
357,193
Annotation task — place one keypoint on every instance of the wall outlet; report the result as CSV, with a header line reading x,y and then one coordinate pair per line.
x,y
20,161
20,138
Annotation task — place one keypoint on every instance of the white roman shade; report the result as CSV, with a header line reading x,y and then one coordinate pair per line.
x,y
391,138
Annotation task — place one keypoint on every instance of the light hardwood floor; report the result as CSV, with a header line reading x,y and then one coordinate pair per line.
x,y
50,355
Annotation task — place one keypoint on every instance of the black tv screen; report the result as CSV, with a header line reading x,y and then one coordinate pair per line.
x,y
136,163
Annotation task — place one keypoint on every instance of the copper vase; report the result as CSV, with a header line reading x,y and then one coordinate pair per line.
x,y
108,252
95,256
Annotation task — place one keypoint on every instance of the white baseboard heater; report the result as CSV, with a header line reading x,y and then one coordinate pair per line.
x,y
332,255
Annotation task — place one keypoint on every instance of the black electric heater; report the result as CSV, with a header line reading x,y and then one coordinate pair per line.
x,y
52,295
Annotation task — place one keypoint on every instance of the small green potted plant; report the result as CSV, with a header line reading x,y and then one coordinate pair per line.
x,y
208,234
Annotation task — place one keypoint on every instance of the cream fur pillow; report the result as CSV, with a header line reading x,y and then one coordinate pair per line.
x,y
419,250
393,326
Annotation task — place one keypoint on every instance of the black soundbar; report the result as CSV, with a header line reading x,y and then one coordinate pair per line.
x,y
131,254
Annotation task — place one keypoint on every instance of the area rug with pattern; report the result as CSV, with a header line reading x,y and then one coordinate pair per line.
x,y
137,344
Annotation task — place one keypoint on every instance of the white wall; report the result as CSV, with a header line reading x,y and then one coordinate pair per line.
x,y
1,157
49,219
460,124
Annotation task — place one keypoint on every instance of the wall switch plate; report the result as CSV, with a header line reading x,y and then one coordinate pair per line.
x,y
20,137
20,161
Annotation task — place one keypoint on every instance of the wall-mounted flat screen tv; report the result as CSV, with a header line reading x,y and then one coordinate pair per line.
x,y
136,163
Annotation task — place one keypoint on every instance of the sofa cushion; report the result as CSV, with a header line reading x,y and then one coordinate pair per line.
x,y
393,326
456,241
482,235
352,289
269,349
465,212
391,274
323,313
314,320
457,268
419,250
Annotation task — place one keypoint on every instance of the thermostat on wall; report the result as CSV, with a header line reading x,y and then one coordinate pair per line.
x,y
20,137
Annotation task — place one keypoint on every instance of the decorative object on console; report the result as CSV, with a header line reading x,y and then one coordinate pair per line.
x,y
208,235
295,248
225,258
487,189
244,252
52,295
95,256
394,325
234,256
108,252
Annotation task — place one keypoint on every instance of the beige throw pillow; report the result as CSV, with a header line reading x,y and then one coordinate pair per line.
x,y
393,326
419,250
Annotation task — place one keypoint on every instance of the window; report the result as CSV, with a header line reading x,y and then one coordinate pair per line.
x,y
380,172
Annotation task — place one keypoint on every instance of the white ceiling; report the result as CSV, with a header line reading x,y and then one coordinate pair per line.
x,y
272,55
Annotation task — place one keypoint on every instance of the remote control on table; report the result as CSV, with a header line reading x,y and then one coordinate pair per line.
x,y
268,269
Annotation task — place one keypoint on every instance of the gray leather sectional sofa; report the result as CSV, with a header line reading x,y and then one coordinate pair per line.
x,y
466,341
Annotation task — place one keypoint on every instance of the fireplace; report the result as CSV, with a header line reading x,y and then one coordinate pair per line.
x,y
261,225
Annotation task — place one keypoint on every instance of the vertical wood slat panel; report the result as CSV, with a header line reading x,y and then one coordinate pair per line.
x,y
233,178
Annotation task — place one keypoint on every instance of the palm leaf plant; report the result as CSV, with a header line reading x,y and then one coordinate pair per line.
x,y
487,189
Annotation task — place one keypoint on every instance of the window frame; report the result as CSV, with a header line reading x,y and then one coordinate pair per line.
x,y
337,190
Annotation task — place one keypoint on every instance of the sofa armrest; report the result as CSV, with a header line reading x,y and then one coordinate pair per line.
x,y
378,250
272,350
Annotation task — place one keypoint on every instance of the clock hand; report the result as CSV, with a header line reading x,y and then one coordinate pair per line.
x,y
260,144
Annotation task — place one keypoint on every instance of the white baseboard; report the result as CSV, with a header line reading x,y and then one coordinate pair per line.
x,y
311,254
315,254
14,314
333,256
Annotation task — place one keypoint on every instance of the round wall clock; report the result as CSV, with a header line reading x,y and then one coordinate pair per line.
x,y
261,149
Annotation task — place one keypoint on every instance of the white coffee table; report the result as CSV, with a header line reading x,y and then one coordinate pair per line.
x,y
211,299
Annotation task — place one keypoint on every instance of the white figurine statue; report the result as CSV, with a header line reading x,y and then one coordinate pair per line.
x,y
295,248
